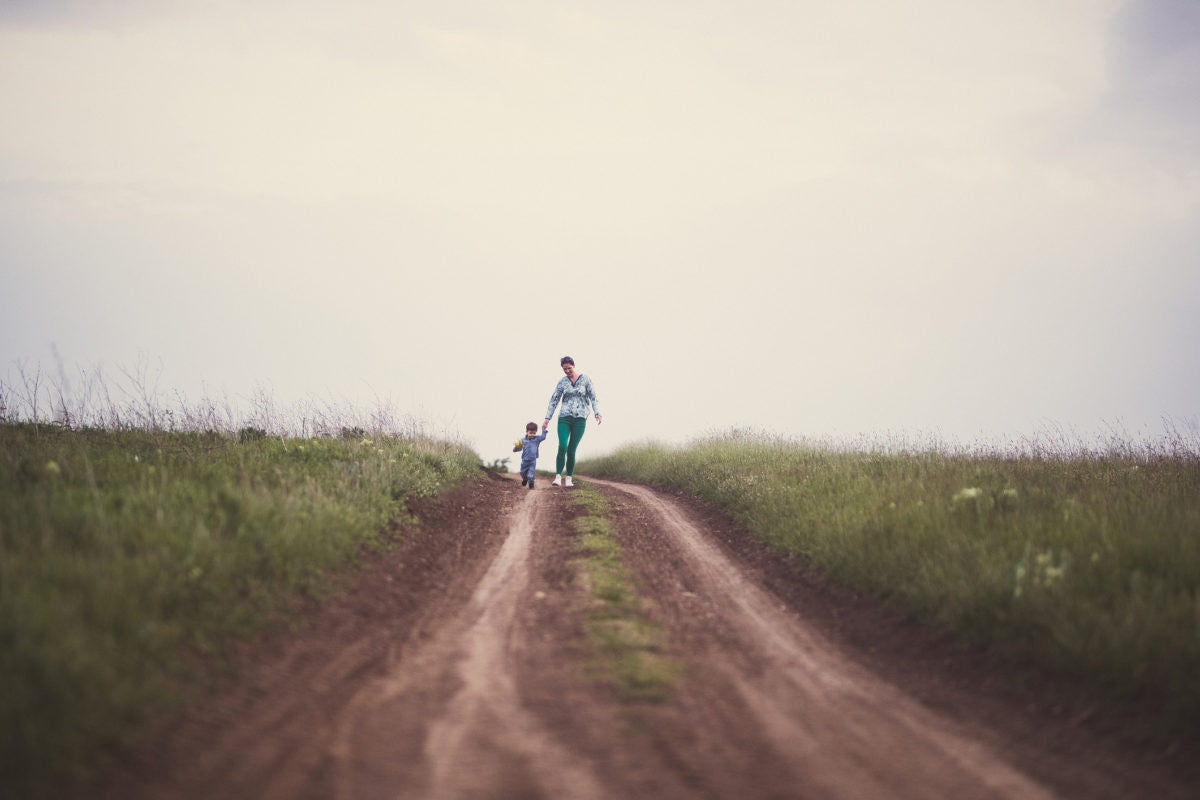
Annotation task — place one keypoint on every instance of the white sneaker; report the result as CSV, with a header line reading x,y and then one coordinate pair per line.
x,y
568,484
557,480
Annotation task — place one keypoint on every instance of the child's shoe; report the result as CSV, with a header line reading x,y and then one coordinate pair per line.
x,y
568,483
524,481
557,481
531,484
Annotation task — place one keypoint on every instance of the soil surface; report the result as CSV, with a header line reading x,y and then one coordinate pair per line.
x,y
452,667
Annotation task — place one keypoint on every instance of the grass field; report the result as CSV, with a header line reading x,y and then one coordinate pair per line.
x,y
1084,562
130,558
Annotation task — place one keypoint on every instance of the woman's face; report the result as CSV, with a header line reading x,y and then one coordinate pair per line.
x,y
569,369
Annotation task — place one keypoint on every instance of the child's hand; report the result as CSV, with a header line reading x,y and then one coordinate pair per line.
x,y
517,446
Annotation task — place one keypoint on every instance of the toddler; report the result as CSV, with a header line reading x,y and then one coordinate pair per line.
x,y
529,453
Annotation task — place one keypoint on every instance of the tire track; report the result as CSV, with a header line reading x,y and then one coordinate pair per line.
x,y
479,739
840,730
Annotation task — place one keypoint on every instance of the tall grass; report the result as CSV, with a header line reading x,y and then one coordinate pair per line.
x,y
132,398
1086,562
131,554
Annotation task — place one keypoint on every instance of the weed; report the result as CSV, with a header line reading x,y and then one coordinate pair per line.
x,y
497,465
251,434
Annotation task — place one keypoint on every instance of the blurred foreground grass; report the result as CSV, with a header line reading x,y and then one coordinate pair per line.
x,y
1085,563
125,553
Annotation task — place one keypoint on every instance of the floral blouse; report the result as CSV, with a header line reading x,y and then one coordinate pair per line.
x,y
575,399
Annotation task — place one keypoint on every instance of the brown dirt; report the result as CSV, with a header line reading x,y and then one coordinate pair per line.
x,y
452,668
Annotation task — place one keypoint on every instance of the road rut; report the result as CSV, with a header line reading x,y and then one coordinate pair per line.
x,y
839,730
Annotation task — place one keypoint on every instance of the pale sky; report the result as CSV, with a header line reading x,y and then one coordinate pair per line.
x,y
818,219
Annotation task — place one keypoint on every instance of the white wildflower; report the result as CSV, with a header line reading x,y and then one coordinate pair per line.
x,y
969,493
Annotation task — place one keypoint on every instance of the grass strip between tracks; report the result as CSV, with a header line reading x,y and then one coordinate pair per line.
x,y
625,650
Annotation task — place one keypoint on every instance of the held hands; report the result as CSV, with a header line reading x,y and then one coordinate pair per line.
x,y
598,420
545,424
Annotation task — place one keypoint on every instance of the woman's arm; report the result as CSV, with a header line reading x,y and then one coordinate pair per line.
x,y
554,398
591,397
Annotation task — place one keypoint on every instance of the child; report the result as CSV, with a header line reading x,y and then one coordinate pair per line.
x,y
529,453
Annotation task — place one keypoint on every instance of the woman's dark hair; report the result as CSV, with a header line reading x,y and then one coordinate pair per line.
x,y
566,360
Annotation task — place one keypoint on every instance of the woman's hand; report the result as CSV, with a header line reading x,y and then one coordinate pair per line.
x,y
545,424
598,420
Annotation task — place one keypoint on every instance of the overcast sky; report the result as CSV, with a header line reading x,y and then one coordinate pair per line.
x,y
815,218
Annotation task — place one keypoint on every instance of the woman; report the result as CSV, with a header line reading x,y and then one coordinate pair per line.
x,y
576,392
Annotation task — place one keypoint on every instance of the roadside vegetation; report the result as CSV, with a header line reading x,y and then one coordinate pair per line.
x,y
625,650
133,553
1086,562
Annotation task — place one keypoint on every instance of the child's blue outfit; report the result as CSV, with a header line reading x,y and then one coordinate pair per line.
x,y
529,454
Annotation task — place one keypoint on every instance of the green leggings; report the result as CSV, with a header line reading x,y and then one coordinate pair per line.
x,y
570,431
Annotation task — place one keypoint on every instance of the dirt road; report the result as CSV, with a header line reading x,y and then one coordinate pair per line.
x,y
451,669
